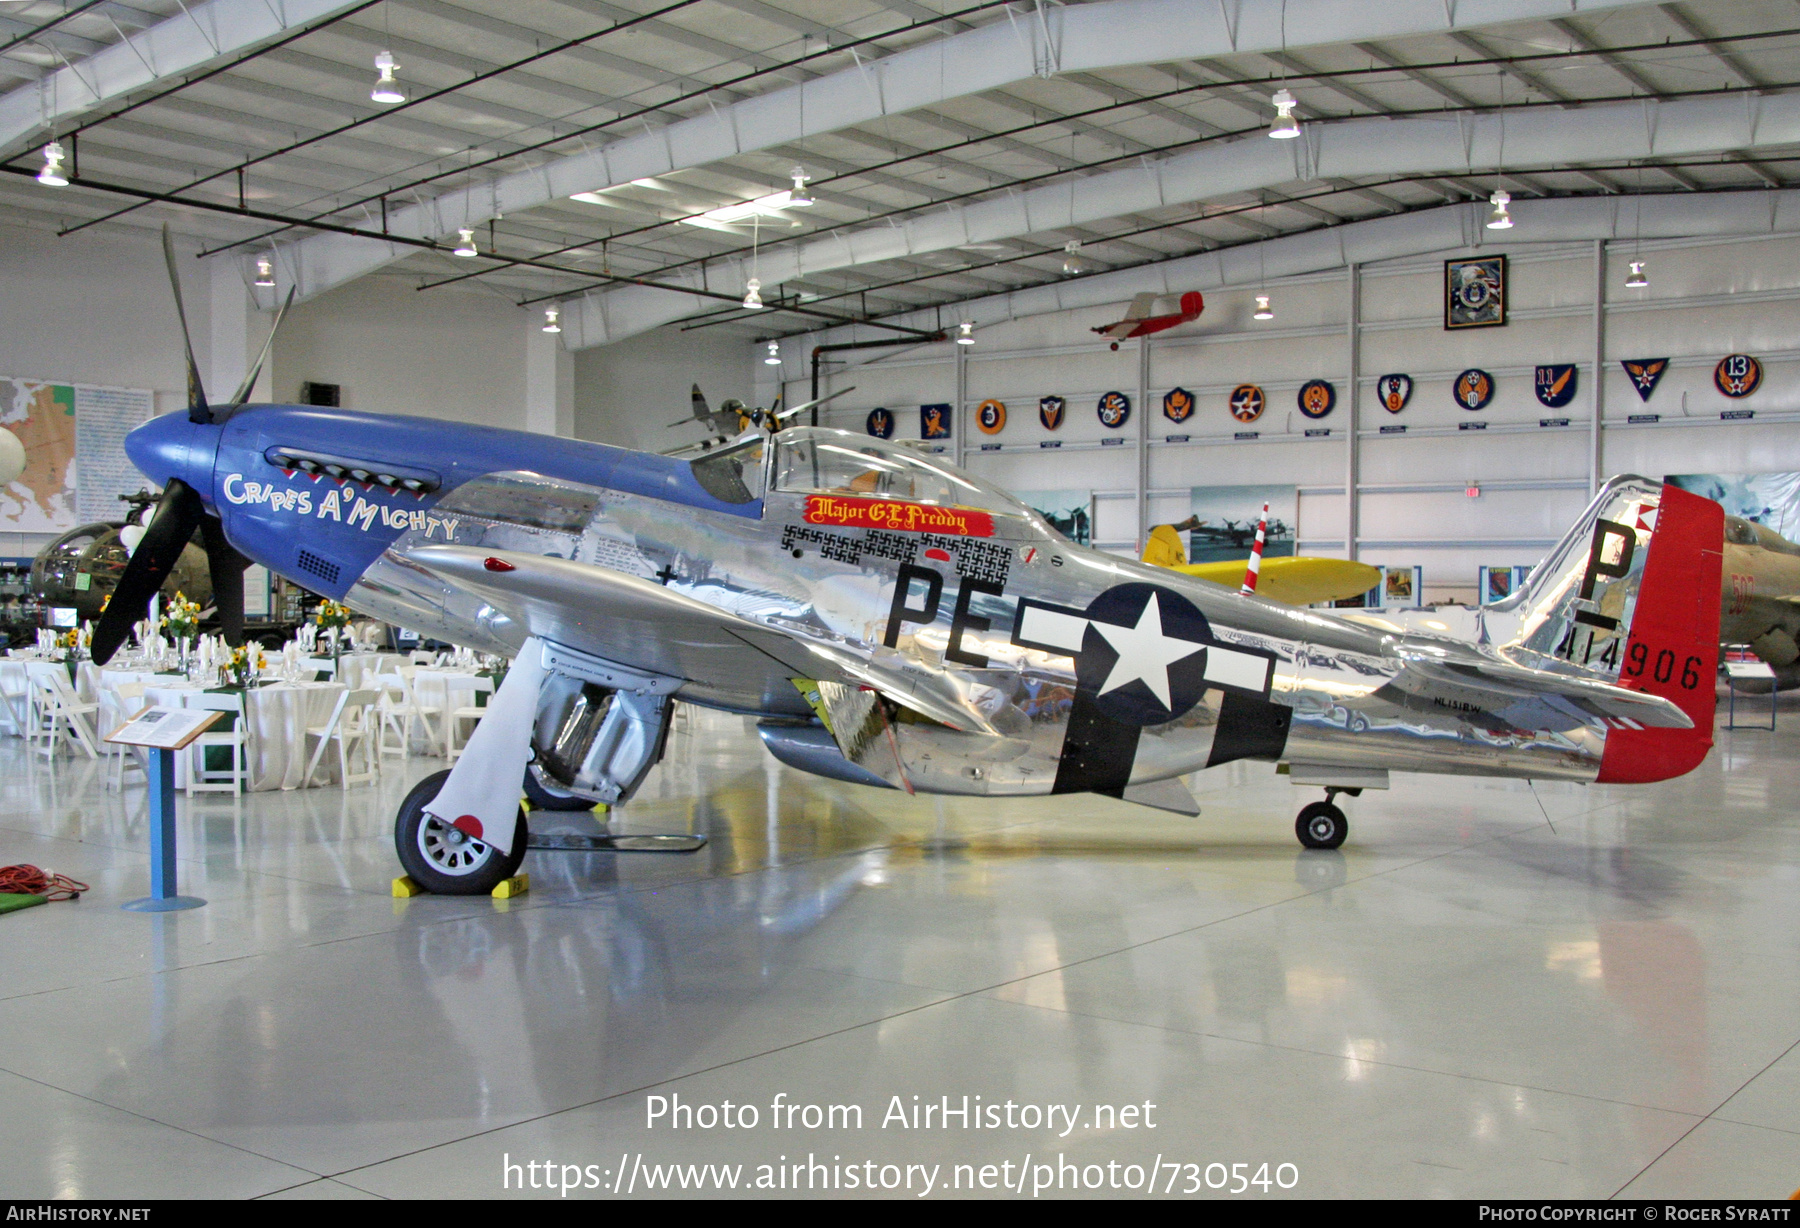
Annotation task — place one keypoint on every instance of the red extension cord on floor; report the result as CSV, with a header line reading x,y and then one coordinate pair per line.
x,y
29,880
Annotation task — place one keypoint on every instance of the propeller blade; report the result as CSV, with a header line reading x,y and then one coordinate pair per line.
x,y
800,409
177,516
197,410
226,567
701,409
243,392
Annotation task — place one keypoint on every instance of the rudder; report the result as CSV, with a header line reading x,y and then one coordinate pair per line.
x,y
1673,648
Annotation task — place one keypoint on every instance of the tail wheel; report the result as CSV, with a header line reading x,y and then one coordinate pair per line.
x,y
1321,826
445,860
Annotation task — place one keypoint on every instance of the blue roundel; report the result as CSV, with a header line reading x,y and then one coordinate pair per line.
x,y
1148,665
881,423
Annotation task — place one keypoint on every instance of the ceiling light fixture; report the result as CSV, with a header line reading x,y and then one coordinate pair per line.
x,y
1072,262
966,333
774,358
1285,127
467,246
51,176
550,318
1636,280
265,271
799,197
753,294
1501,219
748,211
386,88
1263,310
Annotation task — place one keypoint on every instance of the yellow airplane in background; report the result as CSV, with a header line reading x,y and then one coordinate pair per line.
x,y
1290,579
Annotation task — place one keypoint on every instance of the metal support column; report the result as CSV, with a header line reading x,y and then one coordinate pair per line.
x,y
1143,444
1598,395
959,419
1353,314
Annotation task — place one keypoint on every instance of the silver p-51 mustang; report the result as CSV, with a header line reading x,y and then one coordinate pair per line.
x,y
894,621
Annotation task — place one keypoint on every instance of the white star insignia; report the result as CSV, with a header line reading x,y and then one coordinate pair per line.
x,y
1145,653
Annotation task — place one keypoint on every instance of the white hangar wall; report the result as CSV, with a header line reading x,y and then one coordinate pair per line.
x,y
628,393
1706,298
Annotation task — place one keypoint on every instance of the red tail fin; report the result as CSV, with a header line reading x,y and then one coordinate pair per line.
x,y
1673,648
1192,304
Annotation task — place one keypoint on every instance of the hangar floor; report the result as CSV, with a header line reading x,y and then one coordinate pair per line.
x,y
1469,1000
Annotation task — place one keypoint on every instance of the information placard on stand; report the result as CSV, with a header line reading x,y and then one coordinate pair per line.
x,y
1759,671
161,731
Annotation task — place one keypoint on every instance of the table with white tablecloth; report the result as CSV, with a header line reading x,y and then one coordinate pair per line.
x,y
276,717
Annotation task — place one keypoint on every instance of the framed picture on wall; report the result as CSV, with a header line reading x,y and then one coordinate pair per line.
x,y
1475,292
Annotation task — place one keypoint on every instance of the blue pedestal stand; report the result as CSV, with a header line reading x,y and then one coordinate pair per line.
x,y
162,897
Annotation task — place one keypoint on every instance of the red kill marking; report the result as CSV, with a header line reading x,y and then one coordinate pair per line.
x,y
469,826
942,556
493,564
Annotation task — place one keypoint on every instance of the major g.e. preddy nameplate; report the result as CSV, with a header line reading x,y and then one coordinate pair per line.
x,y
895,514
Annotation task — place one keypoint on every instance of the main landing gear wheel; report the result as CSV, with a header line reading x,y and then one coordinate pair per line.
x,y
1321,826
444,860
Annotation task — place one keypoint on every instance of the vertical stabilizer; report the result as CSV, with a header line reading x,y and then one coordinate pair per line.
x,y
1630,595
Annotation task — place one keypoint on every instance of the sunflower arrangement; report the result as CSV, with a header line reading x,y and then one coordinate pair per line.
x,y
245,665
182,619
332,615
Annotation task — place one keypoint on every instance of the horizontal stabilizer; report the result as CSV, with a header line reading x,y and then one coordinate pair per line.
x,y
1493,683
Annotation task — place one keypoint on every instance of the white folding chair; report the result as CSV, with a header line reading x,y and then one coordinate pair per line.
x,y
234,779
60,717
400,711
456,714
118,704
351,726
15,698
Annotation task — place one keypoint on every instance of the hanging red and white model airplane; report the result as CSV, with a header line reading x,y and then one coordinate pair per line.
x,y
1138,321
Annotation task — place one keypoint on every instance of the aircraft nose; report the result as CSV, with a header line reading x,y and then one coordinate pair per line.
x,y
173,446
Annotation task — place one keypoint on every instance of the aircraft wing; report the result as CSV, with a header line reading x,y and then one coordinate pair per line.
x,y
1293,581
643,625
1140,306
633,622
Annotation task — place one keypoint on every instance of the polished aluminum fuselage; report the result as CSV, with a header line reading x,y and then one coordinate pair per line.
x,y
1369,694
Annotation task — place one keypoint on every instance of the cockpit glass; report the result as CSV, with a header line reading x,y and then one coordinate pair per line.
x,y
732,474
841,463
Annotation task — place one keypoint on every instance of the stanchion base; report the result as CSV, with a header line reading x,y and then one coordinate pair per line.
x,y
175,903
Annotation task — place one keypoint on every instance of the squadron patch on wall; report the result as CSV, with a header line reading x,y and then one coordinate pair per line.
x,y
1737,375
1394,391
1473,389
1114,409
1645,374
934,421
1317,397
881,423
1247,402
1178,405
990,416
1555,384
1050,412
